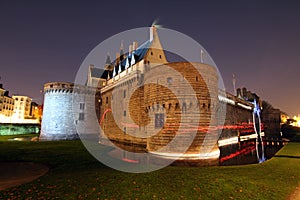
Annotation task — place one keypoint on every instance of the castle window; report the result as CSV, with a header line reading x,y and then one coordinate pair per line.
x,y
63,85
184,107
169,80
106,99
208,106
151,53
124,130
81,116
160,56
124,93
148,62
81,106
124,113
159,120
197,78
203,105
170,105
51,86
176,106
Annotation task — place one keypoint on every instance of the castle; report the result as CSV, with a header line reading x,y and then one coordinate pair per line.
x,y
144,103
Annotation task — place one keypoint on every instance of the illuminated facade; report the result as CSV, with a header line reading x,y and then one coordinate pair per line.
x,y
68,108
296,121
36,111
22,111
6,106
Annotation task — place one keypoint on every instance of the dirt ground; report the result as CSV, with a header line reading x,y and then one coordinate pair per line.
x,y
17,173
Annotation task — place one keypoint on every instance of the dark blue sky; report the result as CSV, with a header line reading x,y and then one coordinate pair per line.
x,y
258,41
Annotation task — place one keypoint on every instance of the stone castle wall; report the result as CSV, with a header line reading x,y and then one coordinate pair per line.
x,y
68,110
136,100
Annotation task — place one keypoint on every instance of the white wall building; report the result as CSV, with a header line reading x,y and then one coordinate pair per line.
x,y
6,106
22,107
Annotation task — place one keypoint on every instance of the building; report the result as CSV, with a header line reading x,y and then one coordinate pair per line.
x,y
272,120
144,103
22,109
6,106
36,111
152,106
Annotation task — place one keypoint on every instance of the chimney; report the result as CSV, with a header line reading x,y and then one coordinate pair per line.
x,y
244,90
117,58
135,45
238,92
152,32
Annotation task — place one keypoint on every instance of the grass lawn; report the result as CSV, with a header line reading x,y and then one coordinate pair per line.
x,y
75,174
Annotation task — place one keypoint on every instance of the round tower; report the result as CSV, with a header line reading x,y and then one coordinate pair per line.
x,y
58,118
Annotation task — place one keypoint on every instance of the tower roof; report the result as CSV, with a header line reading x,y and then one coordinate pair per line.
x,y
97,72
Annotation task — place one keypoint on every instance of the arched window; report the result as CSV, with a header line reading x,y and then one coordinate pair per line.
x,y
183,107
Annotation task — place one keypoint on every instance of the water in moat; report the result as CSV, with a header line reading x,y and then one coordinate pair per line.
x,y
249,151
241,153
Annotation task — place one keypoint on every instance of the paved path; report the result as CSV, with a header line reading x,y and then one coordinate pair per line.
x,y
17,173
295,195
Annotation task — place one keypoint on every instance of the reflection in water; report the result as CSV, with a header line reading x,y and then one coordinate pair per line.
x,y
248,152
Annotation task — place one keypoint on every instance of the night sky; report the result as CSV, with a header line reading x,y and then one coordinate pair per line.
x,y
258,41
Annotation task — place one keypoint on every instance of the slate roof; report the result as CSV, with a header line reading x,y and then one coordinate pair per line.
x,y
97,72
138,55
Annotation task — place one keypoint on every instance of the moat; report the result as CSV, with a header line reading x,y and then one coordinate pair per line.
x,y
246,152
240,153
